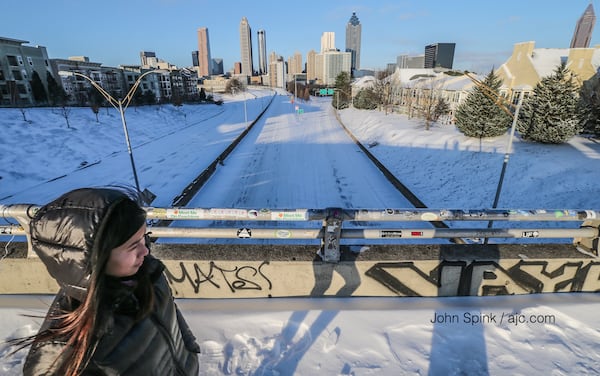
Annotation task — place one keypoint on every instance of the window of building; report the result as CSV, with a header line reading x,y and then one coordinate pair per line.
x,y
2,75
20,59
22,89
3,90
12,60
30,60
17,75
24,74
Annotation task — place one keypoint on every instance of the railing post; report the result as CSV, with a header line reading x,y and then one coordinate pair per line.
x,y
589,244
22,213
332,231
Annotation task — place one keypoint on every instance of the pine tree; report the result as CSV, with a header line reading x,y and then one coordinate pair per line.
x,y
343,90
56,94
37,89
551,115
589,97
480,115
366,99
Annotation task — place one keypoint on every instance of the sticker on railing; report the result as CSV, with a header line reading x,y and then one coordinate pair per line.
x,y
390,234
429,216
530,234
184,213
244,233
238,213
289,216
283,234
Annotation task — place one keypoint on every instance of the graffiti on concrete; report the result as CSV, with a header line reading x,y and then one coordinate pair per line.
x,y
454,278
237,278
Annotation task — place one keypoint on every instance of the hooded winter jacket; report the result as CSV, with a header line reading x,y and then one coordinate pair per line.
x,y
64,234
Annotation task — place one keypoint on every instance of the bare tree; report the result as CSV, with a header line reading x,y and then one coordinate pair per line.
x,y
65,111
432,104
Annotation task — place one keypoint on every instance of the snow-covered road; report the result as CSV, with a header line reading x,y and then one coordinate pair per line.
x,y
298,160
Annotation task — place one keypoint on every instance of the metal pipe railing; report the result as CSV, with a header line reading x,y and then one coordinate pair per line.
x,y
380,215
331,229
317,233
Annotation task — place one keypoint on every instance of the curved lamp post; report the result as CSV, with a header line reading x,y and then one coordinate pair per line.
x,y
504,105
120,105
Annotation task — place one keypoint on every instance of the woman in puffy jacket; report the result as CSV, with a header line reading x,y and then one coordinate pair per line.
x,y
114,313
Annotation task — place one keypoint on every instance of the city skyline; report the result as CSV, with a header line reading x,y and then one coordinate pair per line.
x,y
484,35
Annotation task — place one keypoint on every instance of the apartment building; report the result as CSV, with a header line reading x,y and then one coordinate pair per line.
x,y
18,62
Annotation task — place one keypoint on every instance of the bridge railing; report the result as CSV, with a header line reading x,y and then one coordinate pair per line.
x,y
329,224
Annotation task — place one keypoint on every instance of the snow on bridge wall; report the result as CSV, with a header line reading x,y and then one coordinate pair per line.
x,y
203,271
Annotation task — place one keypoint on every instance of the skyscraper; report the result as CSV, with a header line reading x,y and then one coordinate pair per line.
x,y
583,28
262,52
204,59
328,41
311,70
295,63
353,32
246,47
439,55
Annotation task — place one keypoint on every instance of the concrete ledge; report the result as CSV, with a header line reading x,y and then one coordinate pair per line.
x,y
258,271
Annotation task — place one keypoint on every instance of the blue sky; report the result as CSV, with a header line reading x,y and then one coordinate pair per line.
x,y
113,32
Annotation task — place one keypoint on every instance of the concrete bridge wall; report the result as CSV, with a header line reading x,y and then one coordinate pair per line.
x,y
252,271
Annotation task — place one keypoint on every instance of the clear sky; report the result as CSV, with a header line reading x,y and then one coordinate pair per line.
x,y
113,32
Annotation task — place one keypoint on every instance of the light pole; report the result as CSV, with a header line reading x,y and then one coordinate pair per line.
x,y
499,101
120,105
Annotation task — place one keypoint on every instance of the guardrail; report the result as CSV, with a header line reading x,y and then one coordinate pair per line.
x,y
330,230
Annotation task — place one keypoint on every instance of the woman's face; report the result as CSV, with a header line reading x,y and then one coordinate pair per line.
x,y
126,259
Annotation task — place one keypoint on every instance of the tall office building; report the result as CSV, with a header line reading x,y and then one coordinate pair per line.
x,y
353,32
328,41
583,29
262,52
311,70
246,47
411,62
148,58
204,59
217,65
439,55
295,63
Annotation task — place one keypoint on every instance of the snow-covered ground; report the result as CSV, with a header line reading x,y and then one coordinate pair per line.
x,y
293,159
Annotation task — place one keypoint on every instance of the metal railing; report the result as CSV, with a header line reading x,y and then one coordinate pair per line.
x,y
330,230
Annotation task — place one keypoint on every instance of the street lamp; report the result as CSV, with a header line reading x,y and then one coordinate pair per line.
x,y
501,102
120,105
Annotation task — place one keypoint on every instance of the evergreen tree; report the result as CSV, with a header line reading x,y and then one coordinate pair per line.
x,y
149,98
551,115
366,99
343,91
480,114
202,95
37,88
589,97
56,94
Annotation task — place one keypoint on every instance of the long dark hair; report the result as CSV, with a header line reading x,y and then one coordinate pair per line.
x,y
82,326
